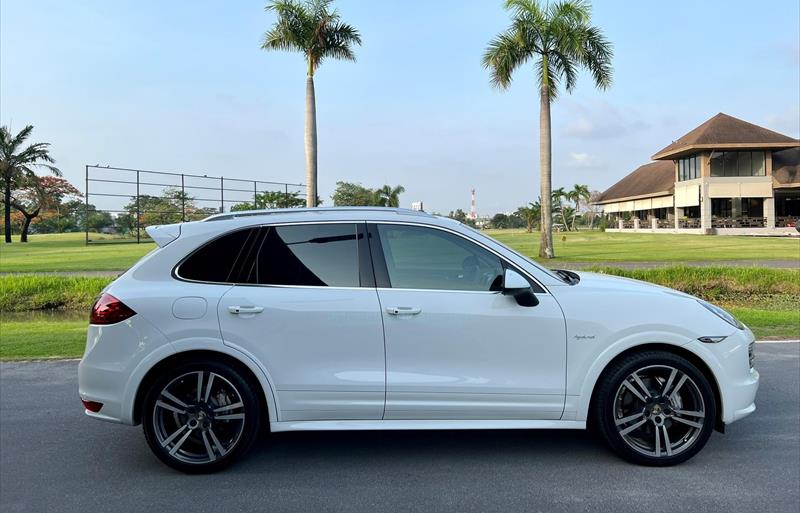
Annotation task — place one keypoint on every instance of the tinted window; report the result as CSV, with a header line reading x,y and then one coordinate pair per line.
x,y
426,258
318,255
217,260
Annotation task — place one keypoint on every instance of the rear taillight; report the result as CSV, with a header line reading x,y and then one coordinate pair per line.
x,y
109,310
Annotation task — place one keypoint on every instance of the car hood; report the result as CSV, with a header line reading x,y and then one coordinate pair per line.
x,y
620,284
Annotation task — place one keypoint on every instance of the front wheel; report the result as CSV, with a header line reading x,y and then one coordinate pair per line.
x,y
200,416
655,408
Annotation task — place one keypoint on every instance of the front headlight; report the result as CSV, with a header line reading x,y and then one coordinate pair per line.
x,y
722,314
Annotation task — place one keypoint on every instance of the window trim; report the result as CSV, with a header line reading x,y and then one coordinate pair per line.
x,y
364,264
382,275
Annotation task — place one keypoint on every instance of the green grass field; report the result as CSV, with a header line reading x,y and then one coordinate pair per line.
x,y
36,335
586,246
67,252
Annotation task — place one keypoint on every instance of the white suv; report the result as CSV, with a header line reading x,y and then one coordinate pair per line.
x,y
339,319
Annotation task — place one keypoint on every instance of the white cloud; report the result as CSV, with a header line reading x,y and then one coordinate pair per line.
x,y
581,160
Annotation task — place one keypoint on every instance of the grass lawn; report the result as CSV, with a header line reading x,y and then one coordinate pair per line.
x,y
595,246
67,252
42,336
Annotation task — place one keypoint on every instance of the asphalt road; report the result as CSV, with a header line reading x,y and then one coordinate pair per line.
x,y
52,458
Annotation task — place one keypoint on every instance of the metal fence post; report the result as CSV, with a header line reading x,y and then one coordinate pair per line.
x,y
255,195
138,225
286,196
183,201
86,206
221,194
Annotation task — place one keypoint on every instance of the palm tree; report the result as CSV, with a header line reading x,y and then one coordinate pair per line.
x,y
577,194
17,163
560,39
530,213
388,196
313,29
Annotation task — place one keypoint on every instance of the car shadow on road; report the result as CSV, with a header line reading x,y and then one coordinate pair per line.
x,y
460,447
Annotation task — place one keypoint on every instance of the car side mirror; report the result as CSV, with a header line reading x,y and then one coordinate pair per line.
x,y
517,286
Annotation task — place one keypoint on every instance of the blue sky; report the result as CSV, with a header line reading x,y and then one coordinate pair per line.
x,y
184,86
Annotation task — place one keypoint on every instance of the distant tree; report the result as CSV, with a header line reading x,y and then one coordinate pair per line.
x,y
556,39
593,211
356,195
17,163
499,221
388,196
272,200
38,193
314,29
579,194
459,215
531,213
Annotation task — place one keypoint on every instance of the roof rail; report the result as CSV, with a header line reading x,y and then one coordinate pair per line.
x,y
253,213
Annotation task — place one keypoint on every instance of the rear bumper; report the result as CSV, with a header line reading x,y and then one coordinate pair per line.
x,y
106,373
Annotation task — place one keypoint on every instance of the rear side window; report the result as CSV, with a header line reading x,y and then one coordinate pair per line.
x,y
218,260
310,255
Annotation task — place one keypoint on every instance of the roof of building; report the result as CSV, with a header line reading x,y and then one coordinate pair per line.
x,y
726,132
653,179
786,168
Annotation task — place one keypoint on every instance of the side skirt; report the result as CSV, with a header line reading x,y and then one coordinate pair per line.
x,y
377,425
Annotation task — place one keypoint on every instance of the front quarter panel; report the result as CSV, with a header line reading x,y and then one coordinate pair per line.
x,y
606,318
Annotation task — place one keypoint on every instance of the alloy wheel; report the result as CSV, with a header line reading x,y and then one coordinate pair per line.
x,y
198,417
659,411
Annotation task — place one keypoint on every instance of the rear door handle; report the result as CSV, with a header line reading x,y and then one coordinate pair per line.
x,y
245,309
403,310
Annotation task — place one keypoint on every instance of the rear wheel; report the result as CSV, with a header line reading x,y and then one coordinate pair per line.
x,y
201,416
655,408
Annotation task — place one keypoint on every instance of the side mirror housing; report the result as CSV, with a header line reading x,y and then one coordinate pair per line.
x,y
515,285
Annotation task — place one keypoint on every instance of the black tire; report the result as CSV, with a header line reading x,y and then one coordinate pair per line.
x,y
614,402
223,441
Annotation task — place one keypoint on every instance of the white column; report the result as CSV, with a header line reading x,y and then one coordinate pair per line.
x,y
705,209
678,215
654,223
769,211
620,223
635,223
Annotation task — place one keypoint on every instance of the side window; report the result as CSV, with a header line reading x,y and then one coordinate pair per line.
x,y
217,261
427,258
318,255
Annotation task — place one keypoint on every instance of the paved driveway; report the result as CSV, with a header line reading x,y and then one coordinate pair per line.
x,y
54,459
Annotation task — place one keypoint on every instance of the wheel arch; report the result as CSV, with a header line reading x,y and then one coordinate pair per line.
x,y
262,387
681,351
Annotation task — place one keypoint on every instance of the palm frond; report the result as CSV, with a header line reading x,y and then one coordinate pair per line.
x,y
504,55
597,55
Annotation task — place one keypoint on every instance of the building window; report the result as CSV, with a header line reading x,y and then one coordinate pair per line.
x,y
752,207
688,168
738,163
721,207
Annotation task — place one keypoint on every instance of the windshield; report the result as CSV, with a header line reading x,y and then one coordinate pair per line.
x,y
555,274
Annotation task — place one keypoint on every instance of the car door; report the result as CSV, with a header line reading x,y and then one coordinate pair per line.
x,y
456,347
305,307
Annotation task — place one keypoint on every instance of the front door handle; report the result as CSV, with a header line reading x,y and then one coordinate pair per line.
x,y
403,310
245,309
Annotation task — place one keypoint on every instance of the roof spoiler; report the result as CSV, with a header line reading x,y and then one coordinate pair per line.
x,y
163,234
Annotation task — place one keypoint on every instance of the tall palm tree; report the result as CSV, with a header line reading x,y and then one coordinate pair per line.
x,y
579,193
559,38
388,196
17,162
312,28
